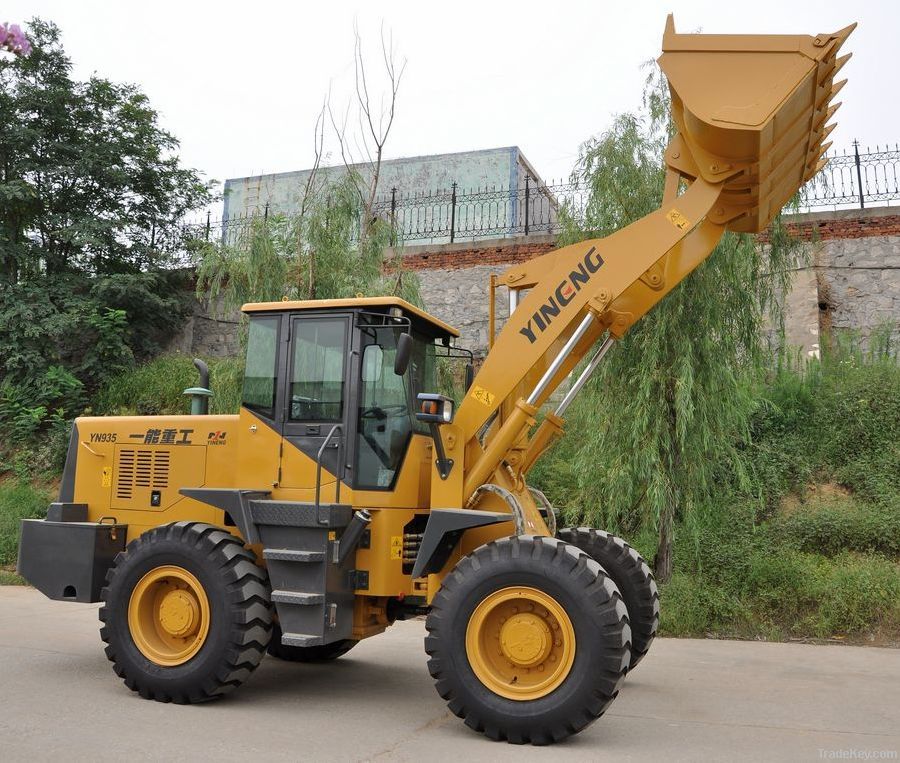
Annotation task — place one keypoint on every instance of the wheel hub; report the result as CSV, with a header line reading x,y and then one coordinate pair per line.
x,y
525,640
520,643
168,615
178,613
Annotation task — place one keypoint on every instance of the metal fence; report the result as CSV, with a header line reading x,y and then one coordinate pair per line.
x,y
850,179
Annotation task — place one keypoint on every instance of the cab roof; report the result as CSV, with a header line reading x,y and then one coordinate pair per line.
x,y
358,303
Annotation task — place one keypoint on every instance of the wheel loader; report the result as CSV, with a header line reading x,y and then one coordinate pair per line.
x,y
348,493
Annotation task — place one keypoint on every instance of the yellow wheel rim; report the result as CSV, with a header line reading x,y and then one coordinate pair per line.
x,y
168,615
520,642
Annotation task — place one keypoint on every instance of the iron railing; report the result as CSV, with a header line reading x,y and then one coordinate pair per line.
x,y
850,179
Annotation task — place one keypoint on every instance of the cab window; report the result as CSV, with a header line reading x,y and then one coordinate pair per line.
x,y
260,372
317,376
384,418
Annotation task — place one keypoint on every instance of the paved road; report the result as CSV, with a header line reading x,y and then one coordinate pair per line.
x,y
689,700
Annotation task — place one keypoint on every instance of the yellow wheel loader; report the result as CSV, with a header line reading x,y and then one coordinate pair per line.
x,y
348,494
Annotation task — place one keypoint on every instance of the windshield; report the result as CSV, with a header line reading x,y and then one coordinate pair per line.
x,y
385,417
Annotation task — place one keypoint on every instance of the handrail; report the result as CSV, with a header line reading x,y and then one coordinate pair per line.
x,y
338,471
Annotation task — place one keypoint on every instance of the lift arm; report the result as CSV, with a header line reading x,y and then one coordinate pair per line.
x,y
751,114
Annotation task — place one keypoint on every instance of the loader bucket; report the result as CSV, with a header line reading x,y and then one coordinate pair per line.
x,y
752,111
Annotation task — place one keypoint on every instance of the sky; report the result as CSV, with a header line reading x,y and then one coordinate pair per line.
x,y
240,84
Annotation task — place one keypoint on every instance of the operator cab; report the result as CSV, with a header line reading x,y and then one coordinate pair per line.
x,y
341,377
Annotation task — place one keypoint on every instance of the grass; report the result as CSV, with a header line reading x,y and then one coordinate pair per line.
x,y
18,500
157,387
812,547
8,577
807,543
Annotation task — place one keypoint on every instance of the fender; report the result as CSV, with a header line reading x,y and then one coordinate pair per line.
x,y
442,533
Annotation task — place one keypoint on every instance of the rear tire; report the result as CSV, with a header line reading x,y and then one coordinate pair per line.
x,y
571,595
321,653
632,577
185,578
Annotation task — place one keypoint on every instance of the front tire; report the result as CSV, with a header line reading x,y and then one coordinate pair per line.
x,y
528,640
186,613
632,577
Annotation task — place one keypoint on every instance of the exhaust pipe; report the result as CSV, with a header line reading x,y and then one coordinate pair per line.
x,y
353,534
200,395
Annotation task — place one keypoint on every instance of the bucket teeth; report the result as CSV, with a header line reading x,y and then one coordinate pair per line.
x,y
843,34
829,113
830,66
770,124
839,63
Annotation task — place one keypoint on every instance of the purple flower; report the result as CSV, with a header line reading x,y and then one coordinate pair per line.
x,y
12,38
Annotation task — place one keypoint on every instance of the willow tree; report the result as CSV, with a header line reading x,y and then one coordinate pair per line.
x,y
317,253
671,403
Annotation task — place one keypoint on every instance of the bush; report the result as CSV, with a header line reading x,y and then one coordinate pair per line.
x,y
157,387
848,524
18,500
859,595
690,606
36,417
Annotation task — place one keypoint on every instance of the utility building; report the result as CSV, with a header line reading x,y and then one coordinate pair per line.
x,y
419,192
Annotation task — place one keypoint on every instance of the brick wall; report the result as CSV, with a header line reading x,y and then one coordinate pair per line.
x,y
457,256
843,224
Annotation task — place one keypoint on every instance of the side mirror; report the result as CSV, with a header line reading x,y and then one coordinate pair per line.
x,y
404,351
470,376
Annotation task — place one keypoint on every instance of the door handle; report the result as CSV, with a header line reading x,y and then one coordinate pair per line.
x,y
253,428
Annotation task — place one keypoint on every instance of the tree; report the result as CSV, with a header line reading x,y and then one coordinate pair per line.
x,y
89,181
316,253
363,151
671,403
90,185
334,245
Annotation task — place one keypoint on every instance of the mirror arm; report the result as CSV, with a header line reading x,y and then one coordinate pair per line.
x,y
444,464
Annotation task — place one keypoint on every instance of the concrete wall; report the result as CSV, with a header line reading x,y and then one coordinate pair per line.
x,y
852,283
497,167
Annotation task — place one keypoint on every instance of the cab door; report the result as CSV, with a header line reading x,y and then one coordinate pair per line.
x,y
316,400
259,423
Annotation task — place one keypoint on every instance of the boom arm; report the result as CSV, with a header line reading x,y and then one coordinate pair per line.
x,y
751,114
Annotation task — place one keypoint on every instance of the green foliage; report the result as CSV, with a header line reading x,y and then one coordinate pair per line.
x,y
10,578
671,404
802,539
754,582
315,254
35,417
89,181
848,524
157,387
18,500
90,185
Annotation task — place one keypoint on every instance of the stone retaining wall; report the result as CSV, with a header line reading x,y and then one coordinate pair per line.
x,y
852,282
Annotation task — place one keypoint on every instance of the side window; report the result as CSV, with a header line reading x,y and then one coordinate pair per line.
x,y
423,373
384,418
260,371
317,377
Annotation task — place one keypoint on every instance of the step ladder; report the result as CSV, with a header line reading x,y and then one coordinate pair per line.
x,y
313,593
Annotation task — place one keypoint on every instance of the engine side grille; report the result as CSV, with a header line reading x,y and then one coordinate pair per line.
x,y
142,469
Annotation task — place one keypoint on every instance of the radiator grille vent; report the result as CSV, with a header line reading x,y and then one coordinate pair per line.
x,y
142,469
